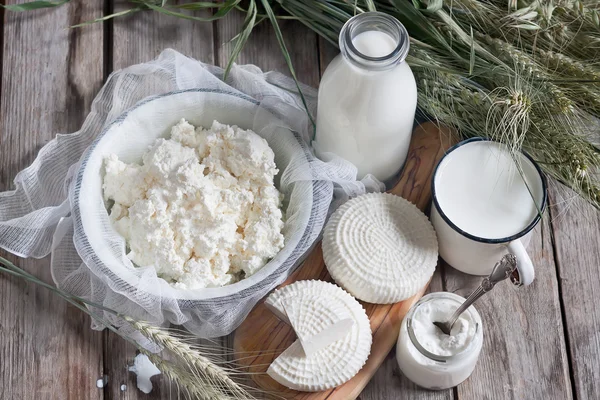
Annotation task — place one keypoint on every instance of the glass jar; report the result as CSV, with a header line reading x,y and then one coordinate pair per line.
x,y
433,371
368,97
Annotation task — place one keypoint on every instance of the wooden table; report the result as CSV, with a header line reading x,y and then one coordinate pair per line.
x,y
540,343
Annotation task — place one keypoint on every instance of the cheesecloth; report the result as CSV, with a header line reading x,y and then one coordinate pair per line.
x,y
57,207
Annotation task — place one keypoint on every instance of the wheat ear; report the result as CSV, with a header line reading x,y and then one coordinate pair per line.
x,y
198,363
186,382
567,66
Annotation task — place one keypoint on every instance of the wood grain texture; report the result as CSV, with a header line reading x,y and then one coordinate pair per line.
x,y
577,246
140,38
263,332
524,353
143,36
263,50
47,351
327,52
49,77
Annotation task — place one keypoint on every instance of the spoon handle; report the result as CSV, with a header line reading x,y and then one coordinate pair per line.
x,y
501,271
480,291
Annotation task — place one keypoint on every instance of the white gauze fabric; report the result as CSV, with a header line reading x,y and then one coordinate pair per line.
x,y
57,206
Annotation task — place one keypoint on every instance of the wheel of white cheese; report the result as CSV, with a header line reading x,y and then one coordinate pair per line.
x,y
317,306
380,248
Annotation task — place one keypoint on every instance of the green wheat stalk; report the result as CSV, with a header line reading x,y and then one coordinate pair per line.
x,y
200,378
524,72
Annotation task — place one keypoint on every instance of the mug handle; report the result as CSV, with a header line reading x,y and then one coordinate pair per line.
x,y
524,264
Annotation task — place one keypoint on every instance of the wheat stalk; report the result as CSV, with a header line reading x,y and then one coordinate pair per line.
x,y
199,364
186,382
567,66
201,378
511,117
527,67
523,72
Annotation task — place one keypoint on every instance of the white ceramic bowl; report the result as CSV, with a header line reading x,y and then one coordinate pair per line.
x,y
129,136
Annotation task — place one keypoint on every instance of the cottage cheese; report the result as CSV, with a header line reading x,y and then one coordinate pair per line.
x,y
202,209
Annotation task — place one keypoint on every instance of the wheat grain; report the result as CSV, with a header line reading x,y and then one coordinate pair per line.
x,y
528,68
186,382
199,364
566,66
522,71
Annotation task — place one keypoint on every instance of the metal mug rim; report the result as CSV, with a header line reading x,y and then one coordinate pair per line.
x,y
507,239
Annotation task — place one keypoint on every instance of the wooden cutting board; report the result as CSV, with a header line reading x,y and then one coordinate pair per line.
x,y
264,336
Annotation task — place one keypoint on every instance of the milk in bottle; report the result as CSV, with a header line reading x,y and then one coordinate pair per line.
x,y
368,97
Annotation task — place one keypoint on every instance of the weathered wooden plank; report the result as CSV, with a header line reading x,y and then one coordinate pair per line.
x,y
576,227
327,52
524,353
143,36
263,50
139,38
50,75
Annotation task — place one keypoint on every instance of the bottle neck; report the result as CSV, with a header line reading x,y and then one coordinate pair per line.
x,y
396,39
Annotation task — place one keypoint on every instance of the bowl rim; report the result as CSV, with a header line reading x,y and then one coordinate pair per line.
x,y
76,211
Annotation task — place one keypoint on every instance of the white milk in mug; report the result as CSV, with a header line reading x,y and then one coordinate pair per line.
x,y
486,199
368,97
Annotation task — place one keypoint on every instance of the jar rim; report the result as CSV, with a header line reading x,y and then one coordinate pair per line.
x,y
397,55
421,349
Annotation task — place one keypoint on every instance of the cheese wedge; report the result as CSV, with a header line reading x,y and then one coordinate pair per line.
x,y
334,336
320,340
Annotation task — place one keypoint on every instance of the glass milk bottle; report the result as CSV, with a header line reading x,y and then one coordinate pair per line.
x,y
368,97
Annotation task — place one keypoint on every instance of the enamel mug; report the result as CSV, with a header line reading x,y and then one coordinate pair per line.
x,y
473,178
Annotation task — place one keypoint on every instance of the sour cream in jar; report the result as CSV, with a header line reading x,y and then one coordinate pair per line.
x,y
430,358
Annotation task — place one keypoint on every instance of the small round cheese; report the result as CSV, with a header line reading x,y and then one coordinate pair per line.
x,y
380,248
318,306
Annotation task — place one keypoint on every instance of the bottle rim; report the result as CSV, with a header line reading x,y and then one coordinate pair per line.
x,y
436,357
382,22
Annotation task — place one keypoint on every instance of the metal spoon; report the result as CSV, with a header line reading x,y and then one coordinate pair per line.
x,y
506,267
